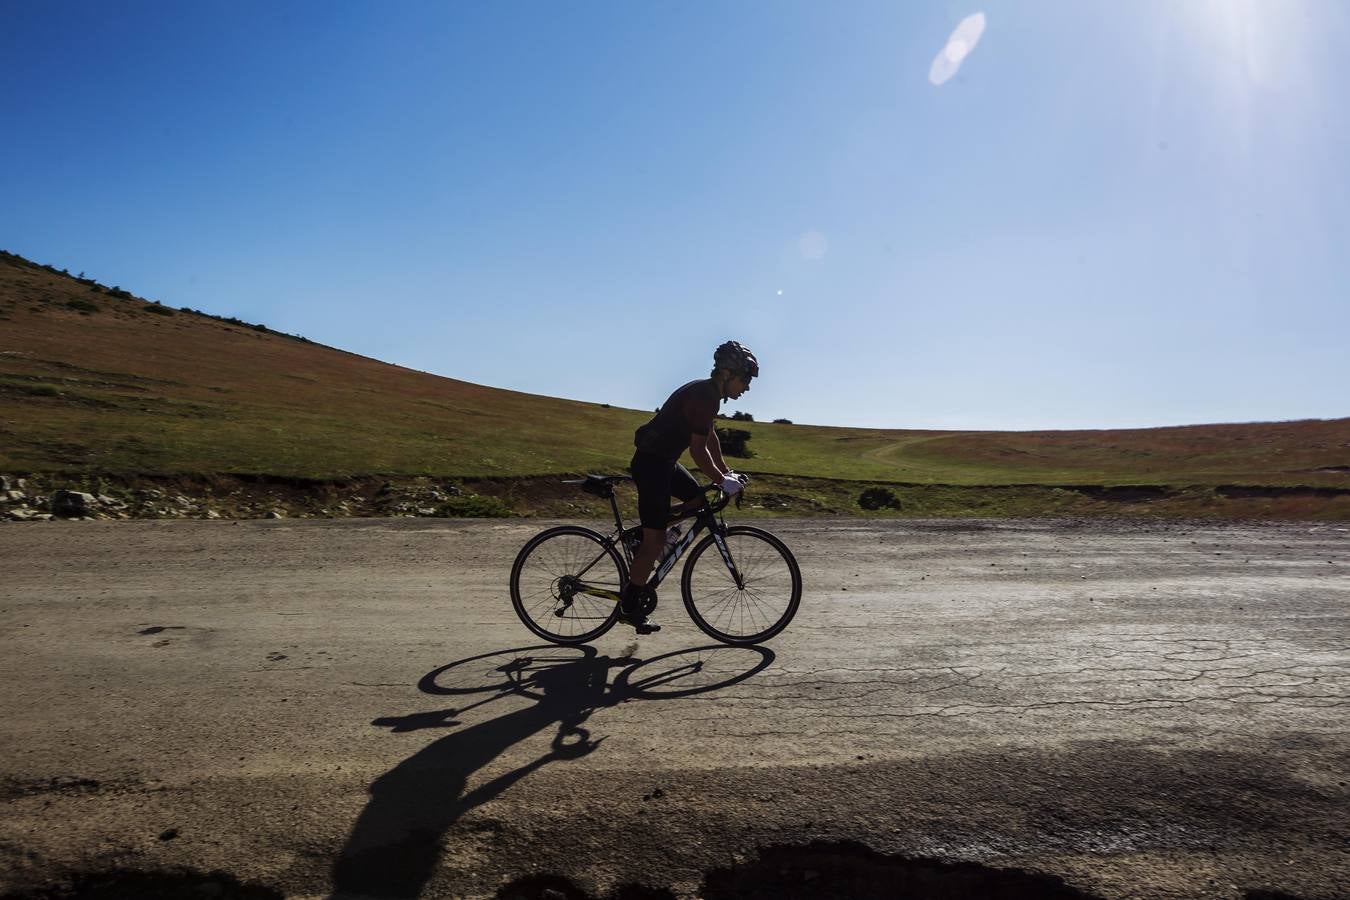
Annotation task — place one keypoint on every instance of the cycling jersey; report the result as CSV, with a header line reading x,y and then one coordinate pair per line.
x,y
689,411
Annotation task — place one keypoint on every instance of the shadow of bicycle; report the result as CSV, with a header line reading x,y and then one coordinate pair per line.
x,y
395,844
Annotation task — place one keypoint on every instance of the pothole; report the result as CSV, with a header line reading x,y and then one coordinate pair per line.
x,y
833,871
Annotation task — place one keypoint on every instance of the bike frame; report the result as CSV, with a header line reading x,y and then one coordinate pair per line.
x,y
706,517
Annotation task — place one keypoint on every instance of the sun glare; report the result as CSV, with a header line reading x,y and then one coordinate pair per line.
x,y
1240,33
962,41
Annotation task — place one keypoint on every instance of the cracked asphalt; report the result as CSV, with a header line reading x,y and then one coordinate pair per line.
x,y
350,708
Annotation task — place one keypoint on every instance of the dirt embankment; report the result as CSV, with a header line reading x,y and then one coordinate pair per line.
x,y
44,496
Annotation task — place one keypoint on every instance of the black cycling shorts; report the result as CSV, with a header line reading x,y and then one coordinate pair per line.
x,y
658,479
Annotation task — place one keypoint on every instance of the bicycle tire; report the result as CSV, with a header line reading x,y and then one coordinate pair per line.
x,y
539,603
725,604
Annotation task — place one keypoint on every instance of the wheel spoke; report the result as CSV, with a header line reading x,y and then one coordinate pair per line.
x,y
760,605
543,573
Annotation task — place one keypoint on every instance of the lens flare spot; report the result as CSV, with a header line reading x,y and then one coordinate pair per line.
x,y
959,46
813,245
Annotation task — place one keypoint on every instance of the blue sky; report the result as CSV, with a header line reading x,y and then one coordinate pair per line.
x,y
1114,215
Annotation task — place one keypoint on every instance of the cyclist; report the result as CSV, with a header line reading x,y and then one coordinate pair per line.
x,y
685,420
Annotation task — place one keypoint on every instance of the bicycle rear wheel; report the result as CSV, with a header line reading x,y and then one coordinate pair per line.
x,y
547,574
757,608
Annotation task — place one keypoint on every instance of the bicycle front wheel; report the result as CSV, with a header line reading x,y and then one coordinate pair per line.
x,y
550,580
757,607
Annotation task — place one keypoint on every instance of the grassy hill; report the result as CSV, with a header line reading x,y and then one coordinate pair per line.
x,y
96,380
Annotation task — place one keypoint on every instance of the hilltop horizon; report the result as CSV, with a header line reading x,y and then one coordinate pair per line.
x,y
98,383
726,413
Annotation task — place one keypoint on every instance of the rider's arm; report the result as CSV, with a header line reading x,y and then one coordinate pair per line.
x,y
700,448
715,451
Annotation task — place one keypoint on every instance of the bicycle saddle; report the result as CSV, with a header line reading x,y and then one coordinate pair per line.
x,y
600,485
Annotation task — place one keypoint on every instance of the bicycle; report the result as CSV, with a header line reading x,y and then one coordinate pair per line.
x,y
566,581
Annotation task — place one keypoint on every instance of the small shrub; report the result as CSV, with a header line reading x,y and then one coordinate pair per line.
x,y
878,498
739,416
782,421
84,306
157,309
733,441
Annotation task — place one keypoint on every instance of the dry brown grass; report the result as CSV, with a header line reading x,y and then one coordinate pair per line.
x,y
124,387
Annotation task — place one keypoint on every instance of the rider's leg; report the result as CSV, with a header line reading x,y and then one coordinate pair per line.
x,y
682,485
652,477
689,505
644,560
631,603
686,487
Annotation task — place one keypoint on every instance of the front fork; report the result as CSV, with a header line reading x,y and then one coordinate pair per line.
x,y
719,538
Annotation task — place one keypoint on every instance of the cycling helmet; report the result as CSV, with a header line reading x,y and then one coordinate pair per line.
x,y
736,359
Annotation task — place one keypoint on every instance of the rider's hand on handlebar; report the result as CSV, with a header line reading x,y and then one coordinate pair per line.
x,y
732,484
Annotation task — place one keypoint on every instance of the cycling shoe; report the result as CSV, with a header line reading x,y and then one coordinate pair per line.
x,y
633,609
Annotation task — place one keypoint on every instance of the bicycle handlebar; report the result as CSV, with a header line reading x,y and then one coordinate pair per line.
x,y
721,503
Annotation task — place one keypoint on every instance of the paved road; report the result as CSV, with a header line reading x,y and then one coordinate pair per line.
x,y
350,707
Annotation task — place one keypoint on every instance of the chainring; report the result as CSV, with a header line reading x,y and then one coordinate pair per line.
x,y
648,602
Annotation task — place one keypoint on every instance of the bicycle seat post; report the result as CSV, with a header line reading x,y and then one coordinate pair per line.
x,y
614,505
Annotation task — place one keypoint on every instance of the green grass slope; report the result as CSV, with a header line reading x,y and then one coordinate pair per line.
x,y
97,380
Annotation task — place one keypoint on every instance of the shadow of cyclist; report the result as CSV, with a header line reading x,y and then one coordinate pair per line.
x,y
395,844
